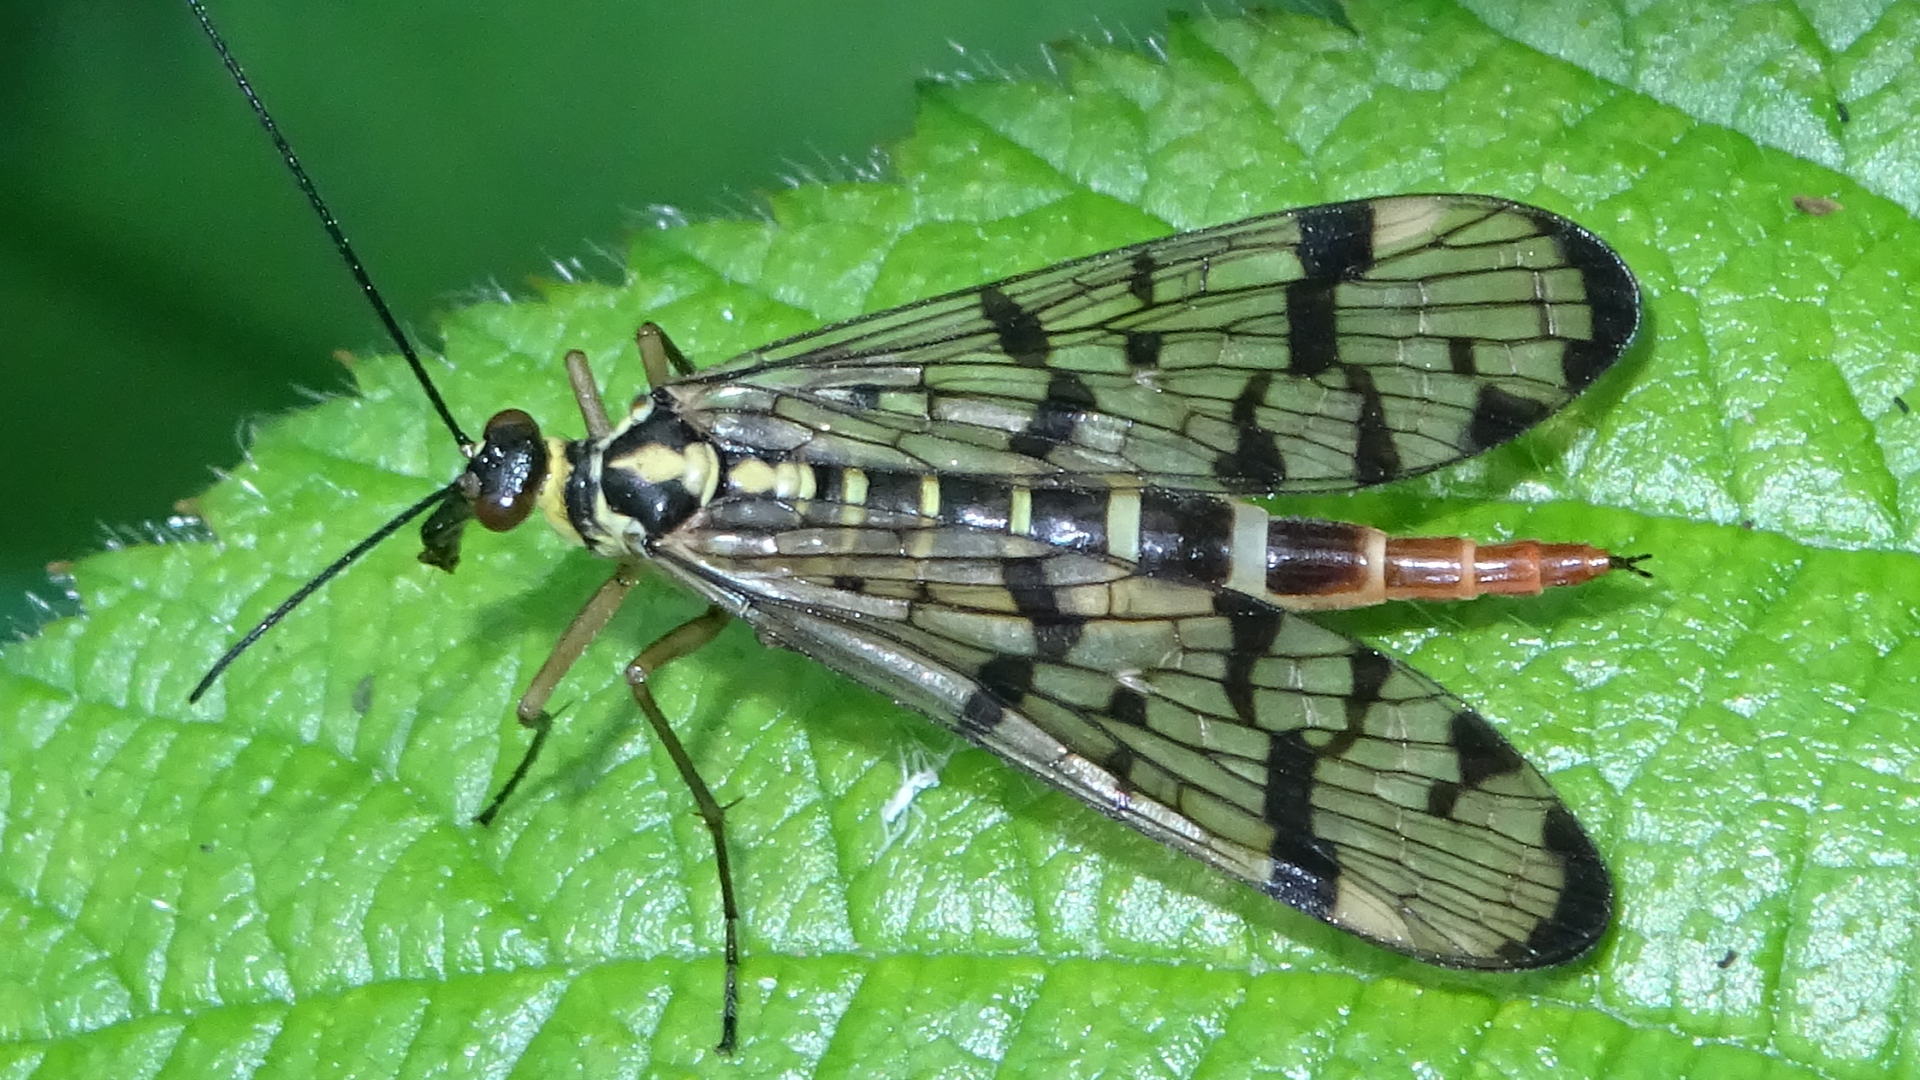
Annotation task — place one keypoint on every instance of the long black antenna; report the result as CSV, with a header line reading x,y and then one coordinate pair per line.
x,y
313,586
332,226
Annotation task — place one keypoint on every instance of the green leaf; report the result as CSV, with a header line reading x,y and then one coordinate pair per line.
x,y
284,882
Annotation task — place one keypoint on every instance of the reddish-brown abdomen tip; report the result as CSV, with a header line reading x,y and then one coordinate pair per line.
x,y
1432,568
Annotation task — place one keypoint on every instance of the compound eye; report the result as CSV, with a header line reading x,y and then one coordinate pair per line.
x,y
507,471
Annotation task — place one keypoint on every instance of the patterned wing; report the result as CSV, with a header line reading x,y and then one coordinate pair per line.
x,y
1320,770
1324,348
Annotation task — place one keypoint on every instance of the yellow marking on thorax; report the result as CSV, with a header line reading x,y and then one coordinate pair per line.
x,y
930,496
552,498
654,463
1020,512
697,467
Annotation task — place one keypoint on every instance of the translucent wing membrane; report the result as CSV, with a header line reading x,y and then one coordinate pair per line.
x,y
1324,348
1306,763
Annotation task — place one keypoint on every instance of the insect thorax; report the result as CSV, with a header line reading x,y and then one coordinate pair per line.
x,y
642,480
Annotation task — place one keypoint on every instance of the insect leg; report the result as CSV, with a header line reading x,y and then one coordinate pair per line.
x,y
658,354
580,377
532,709
679,642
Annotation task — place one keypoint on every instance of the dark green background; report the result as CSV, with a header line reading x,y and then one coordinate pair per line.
x,y
161,283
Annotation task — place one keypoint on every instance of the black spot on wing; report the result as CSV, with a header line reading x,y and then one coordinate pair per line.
x,y
1021,335
1481,754
1140,281
1499,416
1128,706
1585,906
1256,452
1305,872
1481,750
1007,678
1460,355
1054,417
981,712
1336,240
1312,340
1252,627
1612,294
1004,683
1143,348
1376,458
1369,670
1054,633
1335,245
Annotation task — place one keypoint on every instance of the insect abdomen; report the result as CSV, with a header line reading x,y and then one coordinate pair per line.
x,y
1297,563
1306,564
